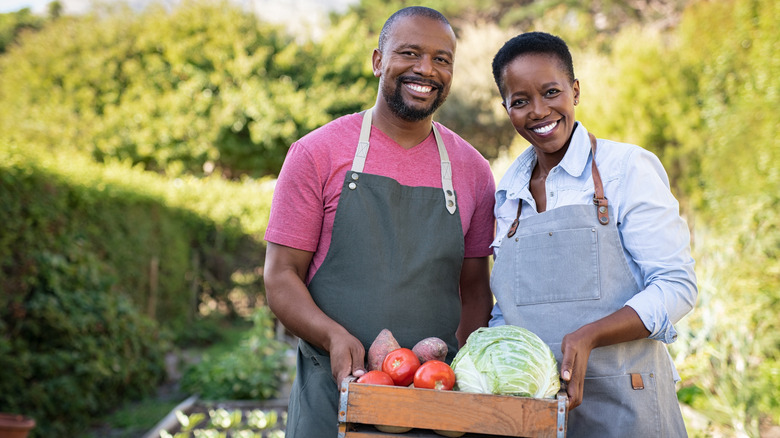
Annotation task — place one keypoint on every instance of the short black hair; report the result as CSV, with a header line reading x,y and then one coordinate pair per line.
x,y
411,11
531,43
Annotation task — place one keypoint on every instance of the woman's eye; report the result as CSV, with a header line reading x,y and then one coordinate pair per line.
x,y
518,102
552,92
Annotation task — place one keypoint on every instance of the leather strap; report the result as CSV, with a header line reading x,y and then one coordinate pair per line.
x,y
602,206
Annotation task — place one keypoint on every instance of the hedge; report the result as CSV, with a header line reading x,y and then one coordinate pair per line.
x,y
98,264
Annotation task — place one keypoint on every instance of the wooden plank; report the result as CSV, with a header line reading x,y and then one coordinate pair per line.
x,y
450,410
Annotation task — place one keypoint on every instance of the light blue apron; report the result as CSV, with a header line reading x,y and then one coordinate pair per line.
x,y
564,268
394,262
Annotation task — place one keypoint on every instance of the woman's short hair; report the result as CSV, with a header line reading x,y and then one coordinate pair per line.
x,y
531,43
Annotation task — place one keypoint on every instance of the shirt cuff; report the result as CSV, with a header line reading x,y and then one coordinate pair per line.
x,y
654,317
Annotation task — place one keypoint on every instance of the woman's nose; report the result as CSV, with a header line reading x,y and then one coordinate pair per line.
x,y
539,109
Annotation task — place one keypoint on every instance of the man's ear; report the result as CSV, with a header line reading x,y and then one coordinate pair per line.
x,y
376,62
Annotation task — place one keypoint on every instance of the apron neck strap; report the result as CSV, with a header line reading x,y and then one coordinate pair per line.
x,y
446,167
602,206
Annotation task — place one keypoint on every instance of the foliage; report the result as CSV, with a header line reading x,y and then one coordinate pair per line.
x,y
71,348
205,87
14,23
256,370
168,244
76,243
735,359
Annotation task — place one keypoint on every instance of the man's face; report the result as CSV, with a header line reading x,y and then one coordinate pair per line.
x,y
415,67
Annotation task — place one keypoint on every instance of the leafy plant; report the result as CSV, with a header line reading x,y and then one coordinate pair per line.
x,y
254,423
255,370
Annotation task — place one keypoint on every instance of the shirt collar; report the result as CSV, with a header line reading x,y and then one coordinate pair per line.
x,y
577,155
519,173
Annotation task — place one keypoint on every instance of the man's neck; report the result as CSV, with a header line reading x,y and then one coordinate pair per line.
x,y
406,133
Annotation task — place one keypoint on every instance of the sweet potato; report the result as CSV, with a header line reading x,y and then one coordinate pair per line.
x,y
449,433
392,429
430,348
384,343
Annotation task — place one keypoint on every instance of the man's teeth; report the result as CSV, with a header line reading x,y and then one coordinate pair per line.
x,y
420,88
545,129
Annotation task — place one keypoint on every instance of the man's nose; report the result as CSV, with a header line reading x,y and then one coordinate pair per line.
x,y
424,66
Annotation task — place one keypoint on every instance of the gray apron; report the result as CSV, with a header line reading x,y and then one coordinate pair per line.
x,y
394,262
564,268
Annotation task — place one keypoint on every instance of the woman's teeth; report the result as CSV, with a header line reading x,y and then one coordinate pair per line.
x,y
545,129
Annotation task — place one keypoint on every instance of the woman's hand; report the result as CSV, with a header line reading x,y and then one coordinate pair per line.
x,y
621,326
576,347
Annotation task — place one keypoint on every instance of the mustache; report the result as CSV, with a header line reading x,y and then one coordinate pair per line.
x,y
419,80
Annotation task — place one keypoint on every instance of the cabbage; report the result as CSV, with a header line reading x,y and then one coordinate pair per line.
x,y
506,360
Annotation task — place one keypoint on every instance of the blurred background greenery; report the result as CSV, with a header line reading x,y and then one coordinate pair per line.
x,y
139,147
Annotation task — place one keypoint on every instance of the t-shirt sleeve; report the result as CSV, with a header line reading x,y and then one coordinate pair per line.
x,y
482,227
297,206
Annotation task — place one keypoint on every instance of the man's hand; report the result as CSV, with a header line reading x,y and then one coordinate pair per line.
x,y
291,302
347,356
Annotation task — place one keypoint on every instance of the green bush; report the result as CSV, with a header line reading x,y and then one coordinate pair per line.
x,y
80,327
255,370
71,348
198,88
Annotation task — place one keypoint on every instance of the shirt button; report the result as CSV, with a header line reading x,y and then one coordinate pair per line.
x,y
552,194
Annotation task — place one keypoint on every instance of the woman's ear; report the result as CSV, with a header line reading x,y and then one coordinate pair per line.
x,y
576,88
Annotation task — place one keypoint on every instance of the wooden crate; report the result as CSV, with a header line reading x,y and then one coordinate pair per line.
x,y
362,406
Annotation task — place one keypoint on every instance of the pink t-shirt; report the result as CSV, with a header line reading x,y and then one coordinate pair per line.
x,y
309,185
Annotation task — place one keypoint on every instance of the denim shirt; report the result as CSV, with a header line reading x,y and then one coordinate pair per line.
x,y
655,238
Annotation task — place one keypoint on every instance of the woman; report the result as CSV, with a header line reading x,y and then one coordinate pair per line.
x,y
590,254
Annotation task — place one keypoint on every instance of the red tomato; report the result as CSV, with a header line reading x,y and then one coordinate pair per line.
x,y
401,364
434,374
376,377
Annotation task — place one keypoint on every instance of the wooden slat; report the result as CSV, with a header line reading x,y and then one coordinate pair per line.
x,y
450,410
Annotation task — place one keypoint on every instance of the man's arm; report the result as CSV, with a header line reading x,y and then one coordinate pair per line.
x,y
475,297
289,299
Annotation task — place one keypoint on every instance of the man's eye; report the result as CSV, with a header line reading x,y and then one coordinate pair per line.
x,y
518,102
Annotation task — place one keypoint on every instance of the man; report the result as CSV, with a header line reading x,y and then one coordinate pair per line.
x,y
381,219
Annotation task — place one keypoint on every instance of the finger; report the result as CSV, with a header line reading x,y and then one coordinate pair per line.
x,y
567,364
358,361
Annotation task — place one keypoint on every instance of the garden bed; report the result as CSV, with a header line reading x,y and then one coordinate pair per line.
x,y
239,419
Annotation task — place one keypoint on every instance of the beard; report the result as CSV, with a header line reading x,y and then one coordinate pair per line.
x,y
397,104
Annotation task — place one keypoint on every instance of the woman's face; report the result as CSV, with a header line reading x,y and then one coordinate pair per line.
x,y
539,99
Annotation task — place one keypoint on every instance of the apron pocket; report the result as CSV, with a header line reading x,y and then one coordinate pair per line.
x,y
314,362
566,263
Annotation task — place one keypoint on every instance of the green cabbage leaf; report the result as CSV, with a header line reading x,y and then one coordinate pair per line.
x,y
506,360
